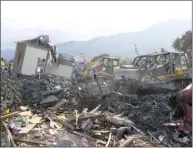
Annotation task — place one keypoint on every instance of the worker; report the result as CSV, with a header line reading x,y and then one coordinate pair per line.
x,y
10,68
2,64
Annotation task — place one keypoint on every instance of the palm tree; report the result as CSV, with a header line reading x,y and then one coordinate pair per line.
x,y
186,41
176,44
186,44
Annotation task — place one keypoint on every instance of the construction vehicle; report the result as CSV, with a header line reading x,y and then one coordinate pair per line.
x,y
157,70
160,72
104,65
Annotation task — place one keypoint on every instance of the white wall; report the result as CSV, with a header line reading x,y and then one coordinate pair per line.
x,y
61,70
31,58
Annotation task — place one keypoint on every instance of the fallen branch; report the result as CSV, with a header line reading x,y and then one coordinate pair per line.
x,y
130,139
9,135
109,139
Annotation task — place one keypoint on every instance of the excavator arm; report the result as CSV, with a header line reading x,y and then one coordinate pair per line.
x,y
92,65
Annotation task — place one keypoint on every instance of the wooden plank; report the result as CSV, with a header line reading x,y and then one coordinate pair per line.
x,y
58,105
101,116
9,115
29,140
109,139
9,135
26,129
65,123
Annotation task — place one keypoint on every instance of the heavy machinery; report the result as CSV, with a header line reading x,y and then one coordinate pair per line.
x,y
157,72
104,65
96,74
167,70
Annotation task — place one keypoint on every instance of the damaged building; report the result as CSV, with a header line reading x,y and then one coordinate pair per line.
x,y
29,53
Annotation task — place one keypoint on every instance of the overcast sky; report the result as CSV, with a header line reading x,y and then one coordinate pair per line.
x,y
95,17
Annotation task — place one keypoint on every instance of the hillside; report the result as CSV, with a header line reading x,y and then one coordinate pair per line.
x,y
158,36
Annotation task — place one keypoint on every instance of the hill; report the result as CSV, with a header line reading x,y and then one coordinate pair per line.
x,y
158,36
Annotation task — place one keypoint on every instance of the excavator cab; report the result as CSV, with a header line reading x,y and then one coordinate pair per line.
x,y
109,63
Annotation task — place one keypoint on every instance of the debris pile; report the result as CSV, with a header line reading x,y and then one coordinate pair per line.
x,y
48,128
148,112
11,92
59,113
36,90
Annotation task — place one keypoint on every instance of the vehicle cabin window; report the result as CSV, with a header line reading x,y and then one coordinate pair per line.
x,y
161,60
167,58
115,63
135,61
152,61
183,60
142,61
176,59
105,63
110,63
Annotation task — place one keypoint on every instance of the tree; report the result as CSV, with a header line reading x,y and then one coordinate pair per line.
x,y
184,44
176,44
186,41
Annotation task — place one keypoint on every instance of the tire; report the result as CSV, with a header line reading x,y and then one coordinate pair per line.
x,y
121,131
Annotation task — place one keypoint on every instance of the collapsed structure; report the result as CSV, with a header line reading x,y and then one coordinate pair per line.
x,y
30,52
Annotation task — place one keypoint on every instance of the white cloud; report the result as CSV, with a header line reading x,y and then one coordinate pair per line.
x,y
89,16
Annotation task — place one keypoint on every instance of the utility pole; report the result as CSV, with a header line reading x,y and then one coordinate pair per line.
x,y
136,51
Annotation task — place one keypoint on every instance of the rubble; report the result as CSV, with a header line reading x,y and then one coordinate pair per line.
x,y
148,112
52,111
11,92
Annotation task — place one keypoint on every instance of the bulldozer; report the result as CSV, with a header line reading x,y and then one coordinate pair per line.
x,y
161,71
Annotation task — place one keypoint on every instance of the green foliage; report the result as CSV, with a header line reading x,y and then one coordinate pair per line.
x,y
184,43
125,62
176,44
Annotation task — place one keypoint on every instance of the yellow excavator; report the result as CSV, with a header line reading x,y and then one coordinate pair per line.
x,y
103,65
